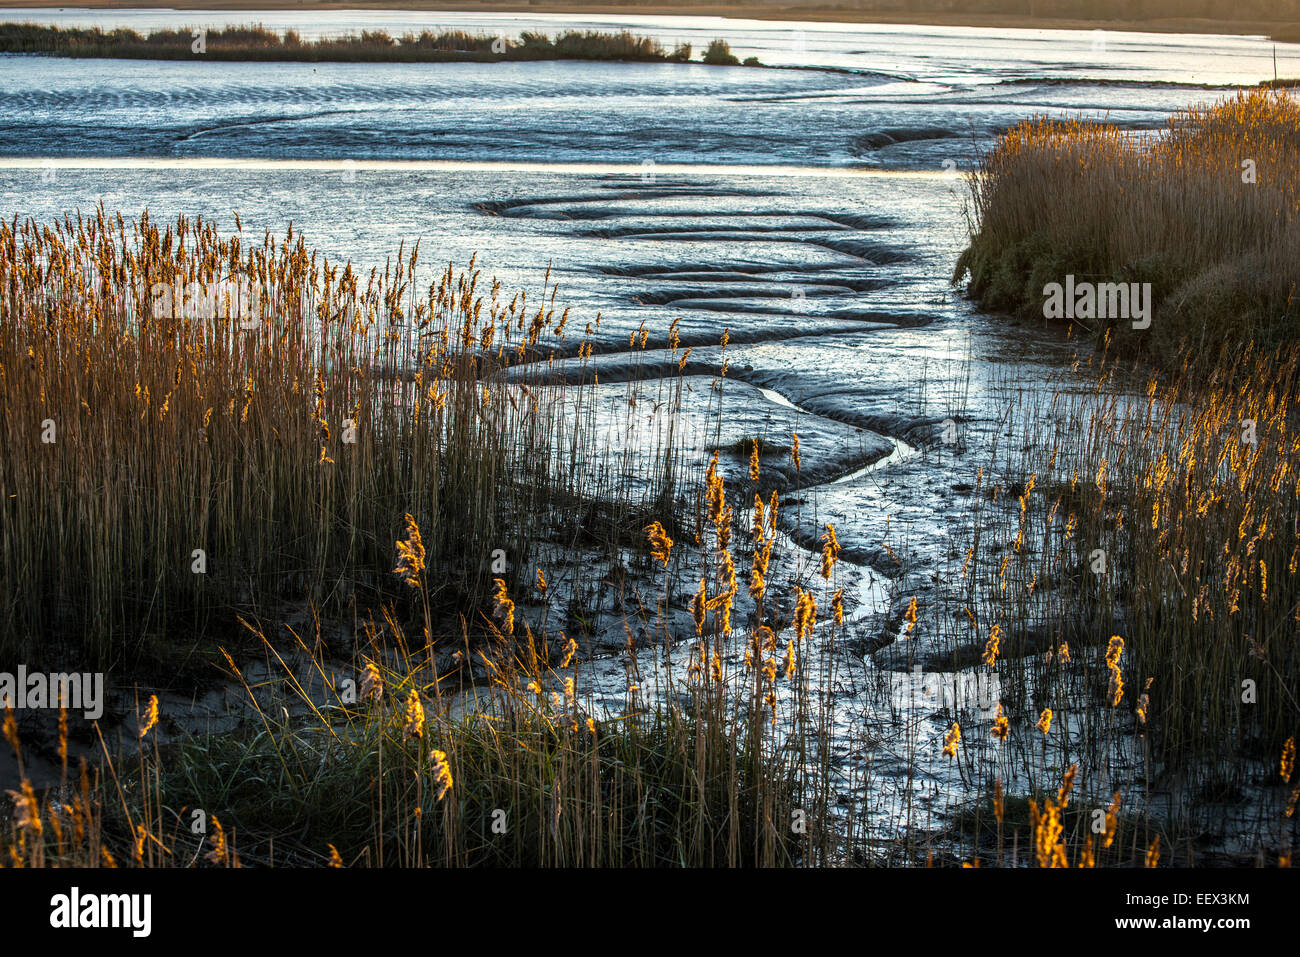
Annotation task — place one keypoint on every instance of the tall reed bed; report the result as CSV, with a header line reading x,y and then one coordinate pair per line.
x,y
1136,546
1137,560
256,42
1204,210
198,423
402,757
403,764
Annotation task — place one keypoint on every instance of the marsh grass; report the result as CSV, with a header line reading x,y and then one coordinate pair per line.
x,y
1162,510
1152,501
1204,210
259,43
718,53
173,460
701,766
294,437
496,755
1009,832
415,766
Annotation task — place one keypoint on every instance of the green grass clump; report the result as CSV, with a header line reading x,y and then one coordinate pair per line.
x,y
718,53
1205,212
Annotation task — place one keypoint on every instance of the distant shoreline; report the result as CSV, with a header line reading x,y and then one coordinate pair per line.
x,y
256,43
750,11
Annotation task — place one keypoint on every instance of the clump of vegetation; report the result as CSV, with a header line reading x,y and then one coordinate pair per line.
x,y
259,43
1136,548
390,775
410,764
201,424
1166,517
718,53
1061,829
1206,212
592,45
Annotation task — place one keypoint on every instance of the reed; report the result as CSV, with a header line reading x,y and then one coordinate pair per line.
x,y
719,53
1136,551
257,42
198,425
1135,547
414,766
1204,210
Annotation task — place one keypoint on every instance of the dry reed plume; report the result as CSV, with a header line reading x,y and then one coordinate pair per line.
x,y
1205,211
197,424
